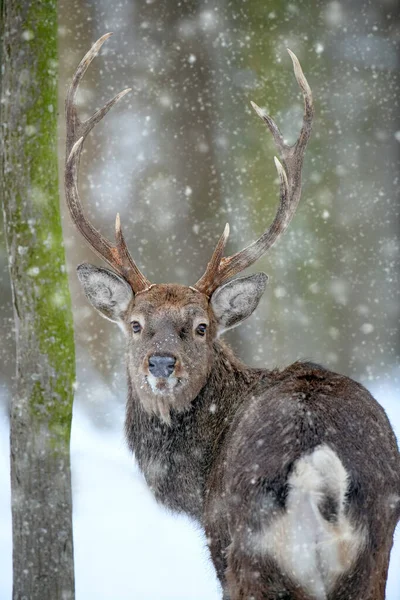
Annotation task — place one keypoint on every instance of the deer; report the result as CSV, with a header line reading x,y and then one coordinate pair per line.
x,y
293,474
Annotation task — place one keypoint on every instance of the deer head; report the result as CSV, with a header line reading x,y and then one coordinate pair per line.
x,y
171,329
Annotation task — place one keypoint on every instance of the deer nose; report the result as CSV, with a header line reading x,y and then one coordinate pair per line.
x,y
161,366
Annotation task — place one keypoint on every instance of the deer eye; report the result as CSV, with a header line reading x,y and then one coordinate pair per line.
x,y
136,327
201,329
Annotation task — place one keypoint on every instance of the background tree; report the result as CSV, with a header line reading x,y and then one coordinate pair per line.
x,y
41,407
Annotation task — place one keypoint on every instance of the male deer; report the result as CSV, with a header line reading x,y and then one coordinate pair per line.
x,y
295,474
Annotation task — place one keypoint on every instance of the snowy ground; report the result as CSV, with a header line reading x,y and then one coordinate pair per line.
x,y
125,545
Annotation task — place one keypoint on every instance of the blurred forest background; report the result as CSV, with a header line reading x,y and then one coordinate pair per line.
x,y
183,153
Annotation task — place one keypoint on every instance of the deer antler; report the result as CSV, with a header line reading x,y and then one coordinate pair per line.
x,y
117,255
221,269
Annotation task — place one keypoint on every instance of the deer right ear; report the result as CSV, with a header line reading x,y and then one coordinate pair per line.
x,y
105,290
237,299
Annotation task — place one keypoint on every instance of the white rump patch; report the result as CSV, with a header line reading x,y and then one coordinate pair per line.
x,y
310,549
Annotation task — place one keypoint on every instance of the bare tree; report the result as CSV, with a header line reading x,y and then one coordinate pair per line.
x,y
41,408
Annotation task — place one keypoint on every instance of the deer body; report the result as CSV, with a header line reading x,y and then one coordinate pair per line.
x,y
228,461
294,475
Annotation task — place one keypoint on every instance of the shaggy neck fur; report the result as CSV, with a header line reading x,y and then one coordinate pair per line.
x,y
176,458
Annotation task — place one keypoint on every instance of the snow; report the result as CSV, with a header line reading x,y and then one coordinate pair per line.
x,y
126,546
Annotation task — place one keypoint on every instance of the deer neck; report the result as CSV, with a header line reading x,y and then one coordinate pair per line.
x,y
176,459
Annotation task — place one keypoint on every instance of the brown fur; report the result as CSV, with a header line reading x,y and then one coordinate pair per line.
x,y
174,335
218,440
232,440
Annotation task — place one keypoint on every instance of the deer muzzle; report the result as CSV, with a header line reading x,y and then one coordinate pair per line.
x,y
161,366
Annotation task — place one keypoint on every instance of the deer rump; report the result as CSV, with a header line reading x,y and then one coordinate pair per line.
x,y
289,508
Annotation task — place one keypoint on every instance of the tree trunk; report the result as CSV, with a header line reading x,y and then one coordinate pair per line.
x,y
41,408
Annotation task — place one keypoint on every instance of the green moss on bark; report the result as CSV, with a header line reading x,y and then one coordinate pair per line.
x,y
41,408
33,220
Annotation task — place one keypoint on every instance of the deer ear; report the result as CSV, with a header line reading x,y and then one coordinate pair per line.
x,y
236,300
105,290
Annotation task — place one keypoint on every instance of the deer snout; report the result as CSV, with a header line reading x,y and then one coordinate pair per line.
x,y
161,366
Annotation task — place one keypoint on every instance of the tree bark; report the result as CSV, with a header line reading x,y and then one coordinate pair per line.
x,y
41,408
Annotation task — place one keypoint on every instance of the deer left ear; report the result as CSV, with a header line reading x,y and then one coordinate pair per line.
x,y
109,293
236,300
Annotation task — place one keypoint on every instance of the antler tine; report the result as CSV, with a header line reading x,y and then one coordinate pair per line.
x,y
211,272
129,269
290,191
75,128
116,255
